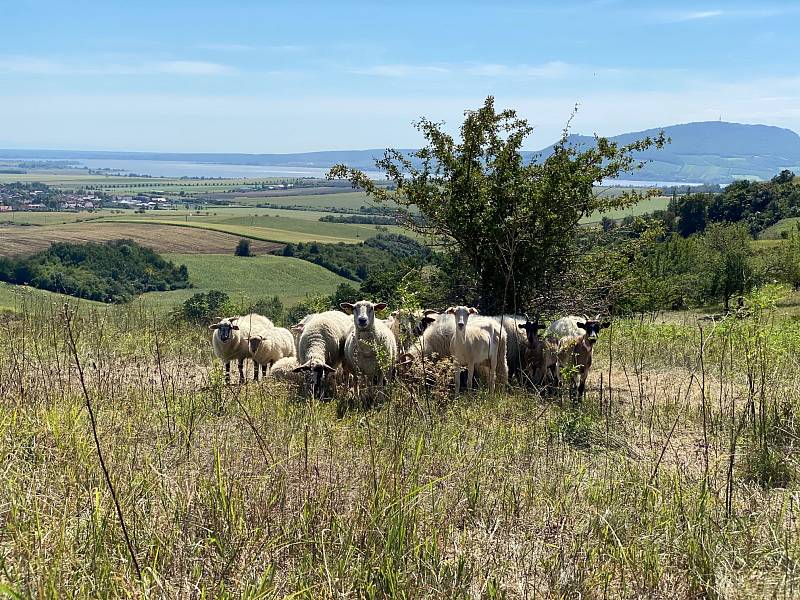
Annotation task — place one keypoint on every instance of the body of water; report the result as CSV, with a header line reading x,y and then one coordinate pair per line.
x,y
163,168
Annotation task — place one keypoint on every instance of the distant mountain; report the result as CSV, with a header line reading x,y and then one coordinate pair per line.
x,y
704,152
711,152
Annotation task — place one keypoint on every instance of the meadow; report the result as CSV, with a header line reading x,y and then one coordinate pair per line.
x,y
676,477
248,279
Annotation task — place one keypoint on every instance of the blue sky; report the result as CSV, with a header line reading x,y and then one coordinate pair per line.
x,y
301,76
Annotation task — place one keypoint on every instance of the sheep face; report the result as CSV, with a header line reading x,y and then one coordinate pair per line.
x,y
592,328
532,330
224,329
363,313
462,313
255,342
314,374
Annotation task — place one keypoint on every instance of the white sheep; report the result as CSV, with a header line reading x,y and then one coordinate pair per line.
x,y
482,344
370,349
284,370
230,340
270,345
564,327
320,349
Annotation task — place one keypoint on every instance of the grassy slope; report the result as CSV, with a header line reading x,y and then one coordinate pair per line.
x,y
19,297
244,491
249,279
774,231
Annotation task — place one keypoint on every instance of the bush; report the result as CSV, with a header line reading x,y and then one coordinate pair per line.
x,y
114,271
272,308
205,307
243,248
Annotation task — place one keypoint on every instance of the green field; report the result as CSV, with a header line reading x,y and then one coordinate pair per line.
x,y
247,279
18,297
774,231
641,208
54,217
283,229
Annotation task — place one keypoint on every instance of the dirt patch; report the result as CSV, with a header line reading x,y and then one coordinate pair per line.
x,y
19,241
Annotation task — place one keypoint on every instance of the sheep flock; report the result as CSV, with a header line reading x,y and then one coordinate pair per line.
x,y
355,350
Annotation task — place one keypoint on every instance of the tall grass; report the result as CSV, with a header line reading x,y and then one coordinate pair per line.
x,y
675,478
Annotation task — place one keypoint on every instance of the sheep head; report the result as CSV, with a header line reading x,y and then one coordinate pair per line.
x,y
363,312
592,328
461,313
224,329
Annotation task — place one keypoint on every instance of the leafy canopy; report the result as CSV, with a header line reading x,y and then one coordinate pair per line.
x,y
512,222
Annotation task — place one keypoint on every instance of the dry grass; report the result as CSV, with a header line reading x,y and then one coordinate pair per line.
x,y
21,240
246,491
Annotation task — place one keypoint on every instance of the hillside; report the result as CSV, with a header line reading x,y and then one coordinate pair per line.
x,y
712,152
708,152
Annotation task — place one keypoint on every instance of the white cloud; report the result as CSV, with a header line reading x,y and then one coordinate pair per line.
x,y
295,123
32,65
192,67
697,15
399,70
549,70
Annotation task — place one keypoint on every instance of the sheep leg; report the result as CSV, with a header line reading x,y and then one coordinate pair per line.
x,y
227,372
470,373
457,377
582,385
267,369
256,367
241,370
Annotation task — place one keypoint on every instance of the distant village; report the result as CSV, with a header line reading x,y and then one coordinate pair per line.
x,y
40,197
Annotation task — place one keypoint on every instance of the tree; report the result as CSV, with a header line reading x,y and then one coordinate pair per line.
x,y
692,212
511,222
726,262
243,248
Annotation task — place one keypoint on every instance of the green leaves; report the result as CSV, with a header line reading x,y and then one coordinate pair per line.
x,y
512,222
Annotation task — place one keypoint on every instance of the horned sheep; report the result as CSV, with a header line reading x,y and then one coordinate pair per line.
x,y
575,352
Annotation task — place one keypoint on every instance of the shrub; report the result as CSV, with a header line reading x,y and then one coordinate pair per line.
x,y
243,248
205,307
114,271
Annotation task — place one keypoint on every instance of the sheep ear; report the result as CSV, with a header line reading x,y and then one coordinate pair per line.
x,y
380,306
523,326
304,367
214,326
473,311
605,324
581,325
236,327
346,307
451,310
327,368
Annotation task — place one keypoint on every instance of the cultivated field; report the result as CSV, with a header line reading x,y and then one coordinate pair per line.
x,y
677,477
18,240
